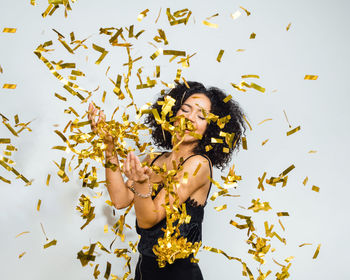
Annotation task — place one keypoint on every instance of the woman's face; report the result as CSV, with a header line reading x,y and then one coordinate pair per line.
x,y
192,109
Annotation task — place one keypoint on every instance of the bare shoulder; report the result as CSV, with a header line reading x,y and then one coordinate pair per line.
x,y
197,161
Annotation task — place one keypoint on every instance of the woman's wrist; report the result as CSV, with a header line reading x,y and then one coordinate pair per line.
x,y
141,188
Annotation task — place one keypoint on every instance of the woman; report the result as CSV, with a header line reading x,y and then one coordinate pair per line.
x,y
207,115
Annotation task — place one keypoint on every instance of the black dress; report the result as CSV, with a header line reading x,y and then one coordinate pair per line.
x,y
147,266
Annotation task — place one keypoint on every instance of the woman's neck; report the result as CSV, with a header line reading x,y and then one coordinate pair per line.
x,y
181,151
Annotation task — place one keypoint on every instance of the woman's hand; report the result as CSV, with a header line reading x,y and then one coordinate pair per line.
x,y
134,171
92,113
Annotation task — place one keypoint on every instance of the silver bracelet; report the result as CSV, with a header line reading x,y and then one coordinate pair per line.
x,y
140,194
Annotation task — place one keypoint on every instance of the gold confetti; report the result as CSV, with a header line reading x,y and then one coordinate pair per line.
x,y
317,251
227,98
160,10
102,51
9,30
312,152
38,205
220,208
264,142
252,36
315,188
9,86
285,114
32,2
259,206
240,50
305,181
236,14
51,243
24,232
250,127
250,76
244,143
212,25
1,69
108,270
157,53
21,255
279,221
304,244
288,26
60,97
105,228
221,52
264,121
142,15
279,214
247,12
293,130
5,140
311,77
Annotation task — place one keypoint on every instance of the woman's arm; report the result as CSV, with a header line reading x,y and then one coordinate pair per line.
x,y
120,195
150,212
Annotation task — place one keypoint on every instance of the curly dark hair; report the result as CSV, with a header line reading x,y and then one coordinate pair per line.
x,y
219,108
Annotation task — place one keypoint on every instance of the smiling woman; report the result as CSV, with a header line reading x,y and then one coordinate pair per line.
x,y
198,115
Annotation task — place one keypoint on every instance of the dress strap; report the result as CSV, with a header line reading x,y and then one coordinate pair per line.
x,y
156,158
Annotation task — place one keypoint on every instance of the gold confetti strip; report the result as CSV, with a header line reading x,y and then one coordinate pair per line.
x,y
5,140
250,127
247,12
304,244
252,36
51,243
285,114
160,10
178,17
21,255
261,181
279,214
311,77
264,121
9,30
288,26
156,54
60,97
240,50
32,2
221,52
174,52
264,142
250,76
257,87
142,15
286,171
220,208
48,179
161,37
244,143
227,98
212,25
108,270
9,86
305,180
1,69
279,221
259,206
315,188
38,205
24,232
102,51
317,251
236,14
312,152
290,132
105,228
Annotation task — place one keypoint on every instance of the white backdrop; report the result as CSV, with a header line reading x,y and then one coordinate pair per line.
x,y
316,43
